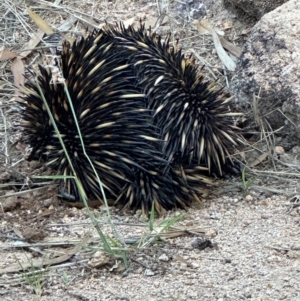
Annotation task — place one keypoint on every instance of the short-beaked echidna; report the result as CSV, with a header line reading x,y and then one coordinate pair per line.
x,y
192,114
142,109
111,115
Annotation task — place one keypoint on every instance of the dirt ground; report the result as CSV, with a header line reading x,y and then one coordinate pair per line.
x,y
239,245
255,254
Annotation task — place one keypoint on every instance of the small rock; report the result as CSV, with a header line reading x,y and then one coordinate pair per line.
x,y
247,295
293,254
248,198
156,284
195,265
183,266
33,234
48,202
163,257
99,259
264,202
279,150
148,272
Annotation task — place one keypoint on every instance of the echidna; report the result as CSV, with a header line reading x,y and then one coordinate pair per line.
x,y
191,114
110,113
141,109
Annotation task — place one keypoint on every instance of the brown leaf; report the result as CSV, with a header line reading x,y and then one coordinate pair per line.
x,y
202,28
36,263
227,61
43,25
18,70
6,54
40,262
236,51
259,160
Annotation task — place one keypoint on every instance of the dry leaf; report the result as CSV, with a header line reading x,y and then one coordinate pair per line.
x,y
67,24
259,160
203,30
18,232
129,22
18,71
37,263
236,51
41,262
43,25
223,56
6,54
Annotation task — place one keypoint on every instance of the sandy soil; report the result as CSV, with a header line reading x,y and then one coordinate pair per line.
x,y
255,255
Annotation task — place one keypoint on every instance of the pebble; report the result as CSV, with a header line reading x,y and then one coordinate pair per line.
x,y
149,272
248,198
47,202
156,283
247,295
163,257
